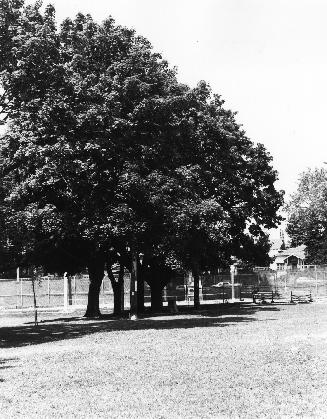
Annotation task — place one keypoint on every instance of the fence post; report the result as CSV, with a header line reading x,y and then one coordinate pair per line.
x,y
285,282
133,286
49,289
316,274
74,289
17,288
200,289
21,293
232,275
65,291
70,298
164,296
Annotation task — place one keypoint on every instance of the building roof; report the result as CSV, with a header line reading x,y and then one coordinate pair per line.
x,y
298,251
280,259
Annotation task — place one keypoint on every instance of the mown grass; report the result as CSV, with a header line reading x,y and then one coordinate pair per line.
x,y
267,361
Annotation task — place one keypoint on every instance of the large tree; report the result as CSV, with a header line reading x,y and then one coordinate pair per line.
x,y
232,199
73,100
107,155
307,215
216,202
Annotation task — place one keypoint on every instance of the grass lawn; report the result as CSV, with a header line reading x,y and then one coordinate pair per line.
x,y
263,361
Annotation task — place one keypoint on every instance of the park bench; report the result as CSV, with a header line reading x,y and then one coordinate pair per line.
x,y
301,297
246,291
263,296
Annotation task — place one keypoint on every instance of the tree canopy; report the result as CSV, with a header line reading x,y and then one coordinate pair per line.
x,y
105,149
307,215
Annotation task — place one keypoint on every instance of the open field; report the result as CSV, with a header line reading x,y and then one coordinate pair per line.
x,y
248,361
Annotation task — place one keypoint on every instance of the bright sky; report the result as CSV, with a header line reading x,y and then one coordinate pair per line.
x,y
267,58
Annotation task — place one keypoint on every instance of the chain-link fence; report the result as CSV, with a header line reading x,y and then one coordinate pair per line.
x,y
218,286
312,280
50,292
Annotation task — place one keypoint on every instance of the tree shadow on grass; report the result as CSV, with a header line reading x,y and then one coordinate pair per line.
x,y
74,327
235,309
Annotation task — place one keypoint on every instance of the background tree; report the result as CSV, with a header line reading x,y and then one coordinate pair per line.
x,y
307,215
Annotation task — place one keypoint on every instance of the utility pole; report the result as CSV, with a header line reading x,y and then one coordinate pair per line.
x,y
232,277
133,286
17,287
65,292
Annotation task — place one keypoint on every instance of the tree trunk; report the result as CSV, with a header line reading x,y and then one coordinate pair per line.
x,y
156,296
121,292
96,274
118,289
196,286
140,292
133,285
34,302
157,278
118,293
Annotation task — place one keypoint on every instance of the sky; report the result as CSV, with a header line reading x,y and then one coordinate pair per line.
x,y
267,58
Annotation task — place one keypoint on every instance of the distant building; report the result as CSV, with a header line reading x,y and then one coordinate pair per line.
x,y
288,259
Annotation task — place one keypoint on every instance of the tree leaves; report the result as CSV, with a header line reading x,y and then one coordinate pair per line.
x,y
105,148
307,215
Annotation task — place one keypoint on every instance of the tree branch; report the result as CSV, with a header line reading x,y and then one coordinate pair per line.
x,y
3,120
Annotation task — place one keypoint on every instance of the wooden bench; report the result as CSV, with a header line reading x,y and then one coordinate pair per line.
x,y
301,297
263,296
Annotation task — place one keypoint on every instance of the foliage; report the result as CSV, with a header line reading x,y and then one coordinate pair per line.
x,y
224,198
307,215
75,98
105,149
